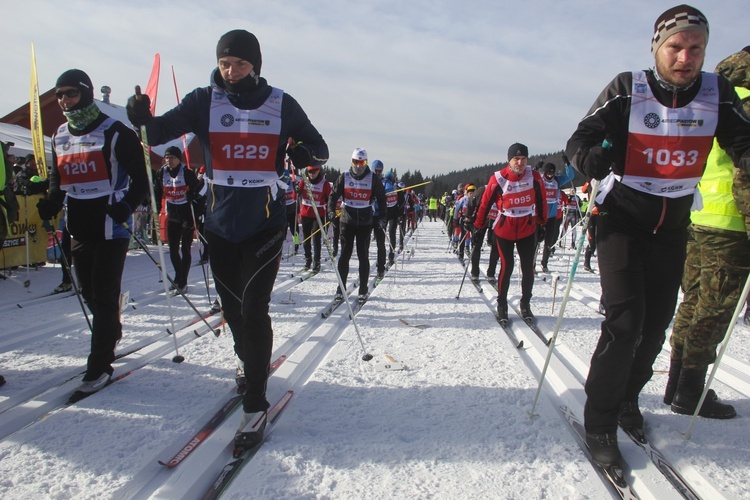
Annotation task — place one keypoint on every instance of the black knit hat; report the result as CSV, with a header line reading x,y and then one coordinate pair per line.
x,y
174,151
242,44
549,167
80,80
680,18
517,149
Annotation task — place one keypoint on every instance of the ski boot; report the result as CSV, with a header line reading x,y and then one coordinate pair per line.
x,y
250,433
604,449
526,313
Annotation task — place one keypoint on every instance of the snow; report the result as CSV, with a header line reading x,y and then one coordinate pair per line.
x,y
452,424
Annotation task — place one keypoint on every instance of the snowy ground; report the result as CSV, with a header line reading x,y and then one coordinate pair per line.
x,y
452,424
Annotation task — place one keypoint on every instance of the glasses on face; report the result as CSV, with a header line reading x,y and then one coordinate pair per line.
x,y
359,163
70,93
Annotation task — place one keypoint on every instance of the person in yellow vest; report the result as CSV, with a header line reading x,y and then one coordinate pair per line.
x,y
717,264
432,208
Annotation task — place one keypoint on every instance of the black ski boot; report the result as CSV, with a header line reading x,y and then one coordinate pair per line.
x,y
629,417
604,449
250,433
316,266
308,263
675,365
502,311
689,390
526,313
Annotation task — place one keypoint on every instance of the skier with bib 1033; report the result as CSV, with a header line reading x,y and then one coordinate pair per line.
x,y
648,136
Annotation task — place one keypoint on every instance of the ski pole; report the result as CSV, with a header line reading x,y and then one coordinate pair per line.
x,y
560,315
27,282
554,292
189,302
155,217
366,356
46,224
203,266
466,270
730,329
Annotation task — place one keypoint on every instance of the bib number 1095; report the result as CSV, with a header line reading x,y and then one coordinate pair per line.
x,y
246,151
673,158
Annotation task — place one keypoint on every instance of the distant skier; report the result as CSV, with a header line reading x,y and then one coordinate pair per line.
x,y
178,186
359,187
553,183
311,233
518,191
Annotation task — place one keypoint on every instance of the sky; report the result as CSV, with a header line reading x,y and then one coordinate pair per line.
x,y
435,86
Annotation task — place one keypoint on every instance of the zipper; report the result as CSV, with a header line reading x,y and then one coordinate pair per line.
x,y
663,213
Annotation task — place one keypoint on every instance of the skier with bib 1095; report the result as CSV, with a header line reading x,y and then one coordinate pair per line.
x,y
245,128
647,136
518,191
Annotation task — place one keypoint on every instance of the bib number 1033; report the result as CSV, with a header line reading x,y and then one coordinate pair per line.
x,y
245,151
673,158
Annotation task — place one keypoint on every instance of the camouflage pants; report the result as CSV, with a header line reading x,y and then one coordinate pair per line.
x,y
715,271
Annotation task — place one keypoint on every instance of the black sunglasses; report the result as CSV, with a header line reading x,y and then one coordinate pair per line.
x,y
70,93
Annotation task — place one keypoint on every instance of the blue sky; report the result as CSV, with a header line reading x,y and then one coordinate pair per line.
x,y
434,86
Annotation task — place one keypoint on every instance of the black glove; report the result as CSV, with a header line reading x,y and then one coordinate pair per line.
x,y
597,163
187,225
400,220
469,224
299,155
47,208
541,233
331,216
139,110
119,211
383,222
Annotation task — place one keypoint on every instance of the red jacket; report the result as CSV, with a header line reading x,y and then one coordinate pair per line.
x,y
509,227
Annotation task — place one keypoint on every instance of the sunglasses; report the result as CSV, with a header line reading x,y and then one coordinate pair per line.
x,y
359,163
70,93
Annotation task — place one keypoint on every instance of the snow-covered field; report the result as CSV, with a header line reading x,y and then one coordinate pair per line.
x,y
453,423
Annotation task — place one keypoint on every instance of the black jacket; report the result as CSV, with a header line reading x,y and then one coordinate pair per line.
x,y
608,119
357,216
237,213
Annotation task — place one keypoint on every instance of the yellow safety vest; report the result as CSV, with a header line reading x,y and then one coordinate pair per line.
x,y
719,208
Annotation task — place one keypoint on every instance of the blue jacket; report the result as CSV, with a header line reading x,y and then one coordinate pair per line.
x,y
561,179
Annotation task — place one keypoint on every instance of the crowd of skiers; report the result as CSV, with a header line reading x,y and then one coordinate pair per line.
x,y
655,144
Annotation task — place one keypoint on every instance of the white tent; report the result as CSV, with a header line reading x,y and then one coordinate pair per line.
x,y
21,136
21,139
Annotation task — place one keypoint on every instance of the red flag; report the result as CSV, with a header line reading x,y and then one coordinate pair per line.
x,y
153,83
184,138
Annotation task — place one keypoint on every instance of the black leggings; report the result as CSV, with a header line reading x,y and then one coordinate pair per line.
x,y
362,234
244,274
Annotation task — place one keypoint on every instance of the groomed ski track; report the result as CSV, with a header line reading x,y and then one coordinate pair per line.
x,y
325,352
